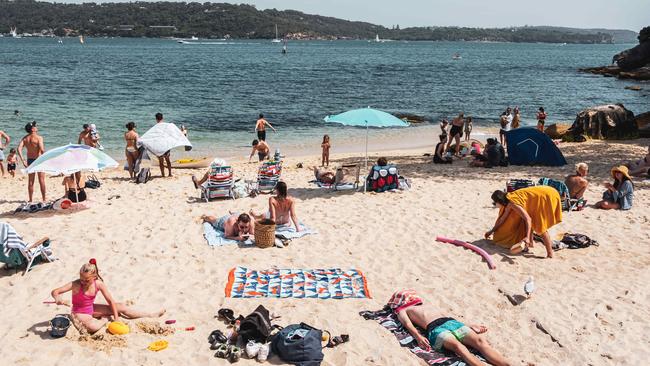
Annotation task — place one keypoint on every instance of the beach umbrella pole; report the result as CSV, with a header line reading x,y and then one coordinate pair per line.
x,y
365,181
76,184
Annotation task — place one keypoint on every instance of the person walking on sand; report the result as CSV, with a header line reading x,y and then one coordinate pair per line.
x,y
35,146
442,332
260,128
85,313
456,132
3,145
164,158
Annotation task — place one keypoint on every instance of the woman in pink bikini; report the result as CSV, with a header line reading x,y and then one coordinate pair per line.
x,y
84,311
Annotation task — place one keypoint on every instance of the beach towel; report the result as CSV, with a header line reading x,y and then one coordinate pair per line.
x,y
387,318
332,283
340,187
544,206
10,241
29,207
289,232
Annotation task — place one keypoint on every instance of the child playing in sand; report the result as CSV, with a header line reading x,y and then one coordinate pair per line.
x,y
468,128
442,332
85,313
326,151
11,162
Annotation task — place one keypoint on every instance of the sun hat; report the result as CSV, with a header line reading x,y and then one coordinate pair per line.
x,y
622,169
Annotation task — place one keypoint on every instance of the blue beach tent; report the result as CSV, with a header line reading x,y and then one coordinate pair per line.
x,y
529,146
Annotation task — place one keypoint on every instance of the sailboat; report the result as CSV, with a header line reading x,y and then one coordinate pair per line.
x,y
276,39
81,39
14,32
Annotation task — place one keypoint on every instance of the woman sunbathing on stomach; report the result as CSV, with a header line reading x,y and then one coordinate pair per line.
x,y
234,227
282,207
85,313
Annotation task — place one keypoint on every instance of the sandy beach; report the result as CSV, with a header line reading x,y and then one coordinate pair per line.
x,y
150,250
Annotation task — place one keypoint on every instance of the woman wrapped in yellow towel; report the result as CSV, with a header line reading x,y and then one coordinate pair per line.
x,y
522,212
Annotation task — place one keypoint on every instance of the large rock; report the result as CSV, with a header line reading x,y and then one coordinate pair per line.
x,y
643,124
612,121
556,130
637,56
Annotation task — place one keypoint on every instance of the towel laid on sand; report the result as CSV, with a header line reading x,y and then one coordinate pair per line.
x,y
332,283
340,187
387,318
217,238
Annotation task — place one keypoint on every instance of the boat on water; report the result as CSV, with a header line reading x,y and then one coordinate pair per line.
x,y
456,56
82,40
14,32
276,39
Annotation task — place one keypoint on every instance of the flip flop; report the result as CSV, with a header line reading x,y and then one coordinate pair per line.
x,y
335,341
517,248
215,338
226,314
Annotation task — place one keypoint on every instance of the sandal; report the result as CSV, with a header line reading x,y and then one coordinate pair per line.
x,y
216,337
335,341
234,354
223,351
226,314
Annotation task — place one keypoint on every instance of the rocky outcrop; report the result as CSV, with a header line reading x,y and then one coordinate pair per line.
x,y
633,63
637,56
556,130
612,121
643,124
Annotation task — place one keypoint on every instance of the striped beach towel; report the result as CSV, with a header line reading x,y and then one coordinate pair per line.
x,y
333,283
10,242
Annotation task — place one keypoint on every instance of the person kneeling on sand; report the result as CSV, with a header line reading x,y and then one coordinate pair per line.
x,y
493,155
282,207
85,313
442,332
577,183
234,227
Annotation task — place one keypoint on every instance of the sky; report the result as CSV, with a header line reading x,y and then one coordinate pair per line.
x,y
617,14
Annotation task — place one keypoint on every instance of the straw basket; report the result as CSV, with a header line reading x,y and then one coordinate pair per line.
x,y
265,233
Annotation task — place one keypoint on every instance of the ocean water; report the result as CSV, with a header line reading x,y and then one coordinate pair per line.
x,y
218,89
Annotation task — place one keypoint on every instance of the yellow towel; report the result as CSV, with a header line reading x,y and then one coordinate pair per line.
x,y
544,206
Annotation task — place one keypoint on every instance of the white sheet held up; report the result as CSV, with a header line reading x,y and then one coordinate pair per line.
x,y
163,137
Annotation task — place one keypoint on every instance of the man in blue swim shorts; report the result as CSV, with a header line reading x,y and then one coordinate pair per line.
x,y
443,332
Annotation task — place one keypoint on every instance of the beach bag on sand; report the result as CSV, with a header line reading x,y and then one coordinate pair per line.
x,y
143,176
299,344
577,241
93,182
256,326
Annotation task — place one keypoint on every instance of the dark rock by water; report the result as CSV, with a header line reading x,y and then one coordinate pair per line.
x,y
643,124
633,63
612,121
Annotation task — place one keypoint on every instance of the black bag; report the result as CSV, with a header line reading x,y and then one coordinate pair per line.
x,y
299,344
577,241
143,176
256,326
92,182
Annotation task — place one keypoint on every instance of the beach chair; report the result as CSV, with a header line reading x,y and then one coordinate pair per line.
x,y
562,189
515,184
220,183
14,252
268,175
382,178
347,177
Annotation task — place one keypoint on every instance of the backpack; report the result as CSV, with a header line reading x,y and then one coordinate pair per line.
x,y
256,326
299,343
577,241
143,176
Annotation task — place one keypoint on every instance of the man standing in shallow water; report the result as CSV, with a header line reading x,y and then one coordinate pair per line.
x,y
35,146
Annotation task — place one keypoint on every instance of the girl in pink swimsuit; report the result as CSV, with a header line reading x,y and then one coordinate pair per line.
x,y
85,313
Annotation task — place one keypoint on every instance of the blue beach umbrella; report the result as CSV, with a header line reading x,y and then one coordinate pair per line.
x,y
366,117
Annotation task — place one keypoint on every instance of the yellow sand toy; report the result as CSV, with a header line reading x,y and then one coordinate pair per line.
x,y
118,328
158,345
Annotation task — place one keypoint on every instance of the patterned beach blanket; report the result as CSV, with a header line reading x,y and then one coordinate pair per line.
x,y
333,283
387,318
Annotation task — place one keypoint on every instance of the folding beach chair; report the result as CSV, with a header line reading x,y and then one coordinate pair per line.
x,y
14,252
268,175
562,189
220,183
347,177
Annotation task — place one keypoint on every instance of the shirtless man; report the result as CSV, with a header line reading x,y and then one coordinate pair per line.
x,y
262,149
443,332
85,137
234,227
577,183
7,140
33,142
260,128
165,158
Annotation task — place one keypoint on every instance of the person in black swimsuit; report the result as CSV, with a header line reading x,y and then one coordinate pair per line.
x,y
75,185
456,131
438,156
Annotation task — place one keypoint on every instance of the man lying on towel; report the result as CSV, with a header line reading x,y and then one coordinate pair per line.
x,y
442,332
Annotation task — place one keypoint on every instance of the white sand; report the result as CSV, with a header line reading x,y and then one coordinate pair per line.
x,y
151,251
